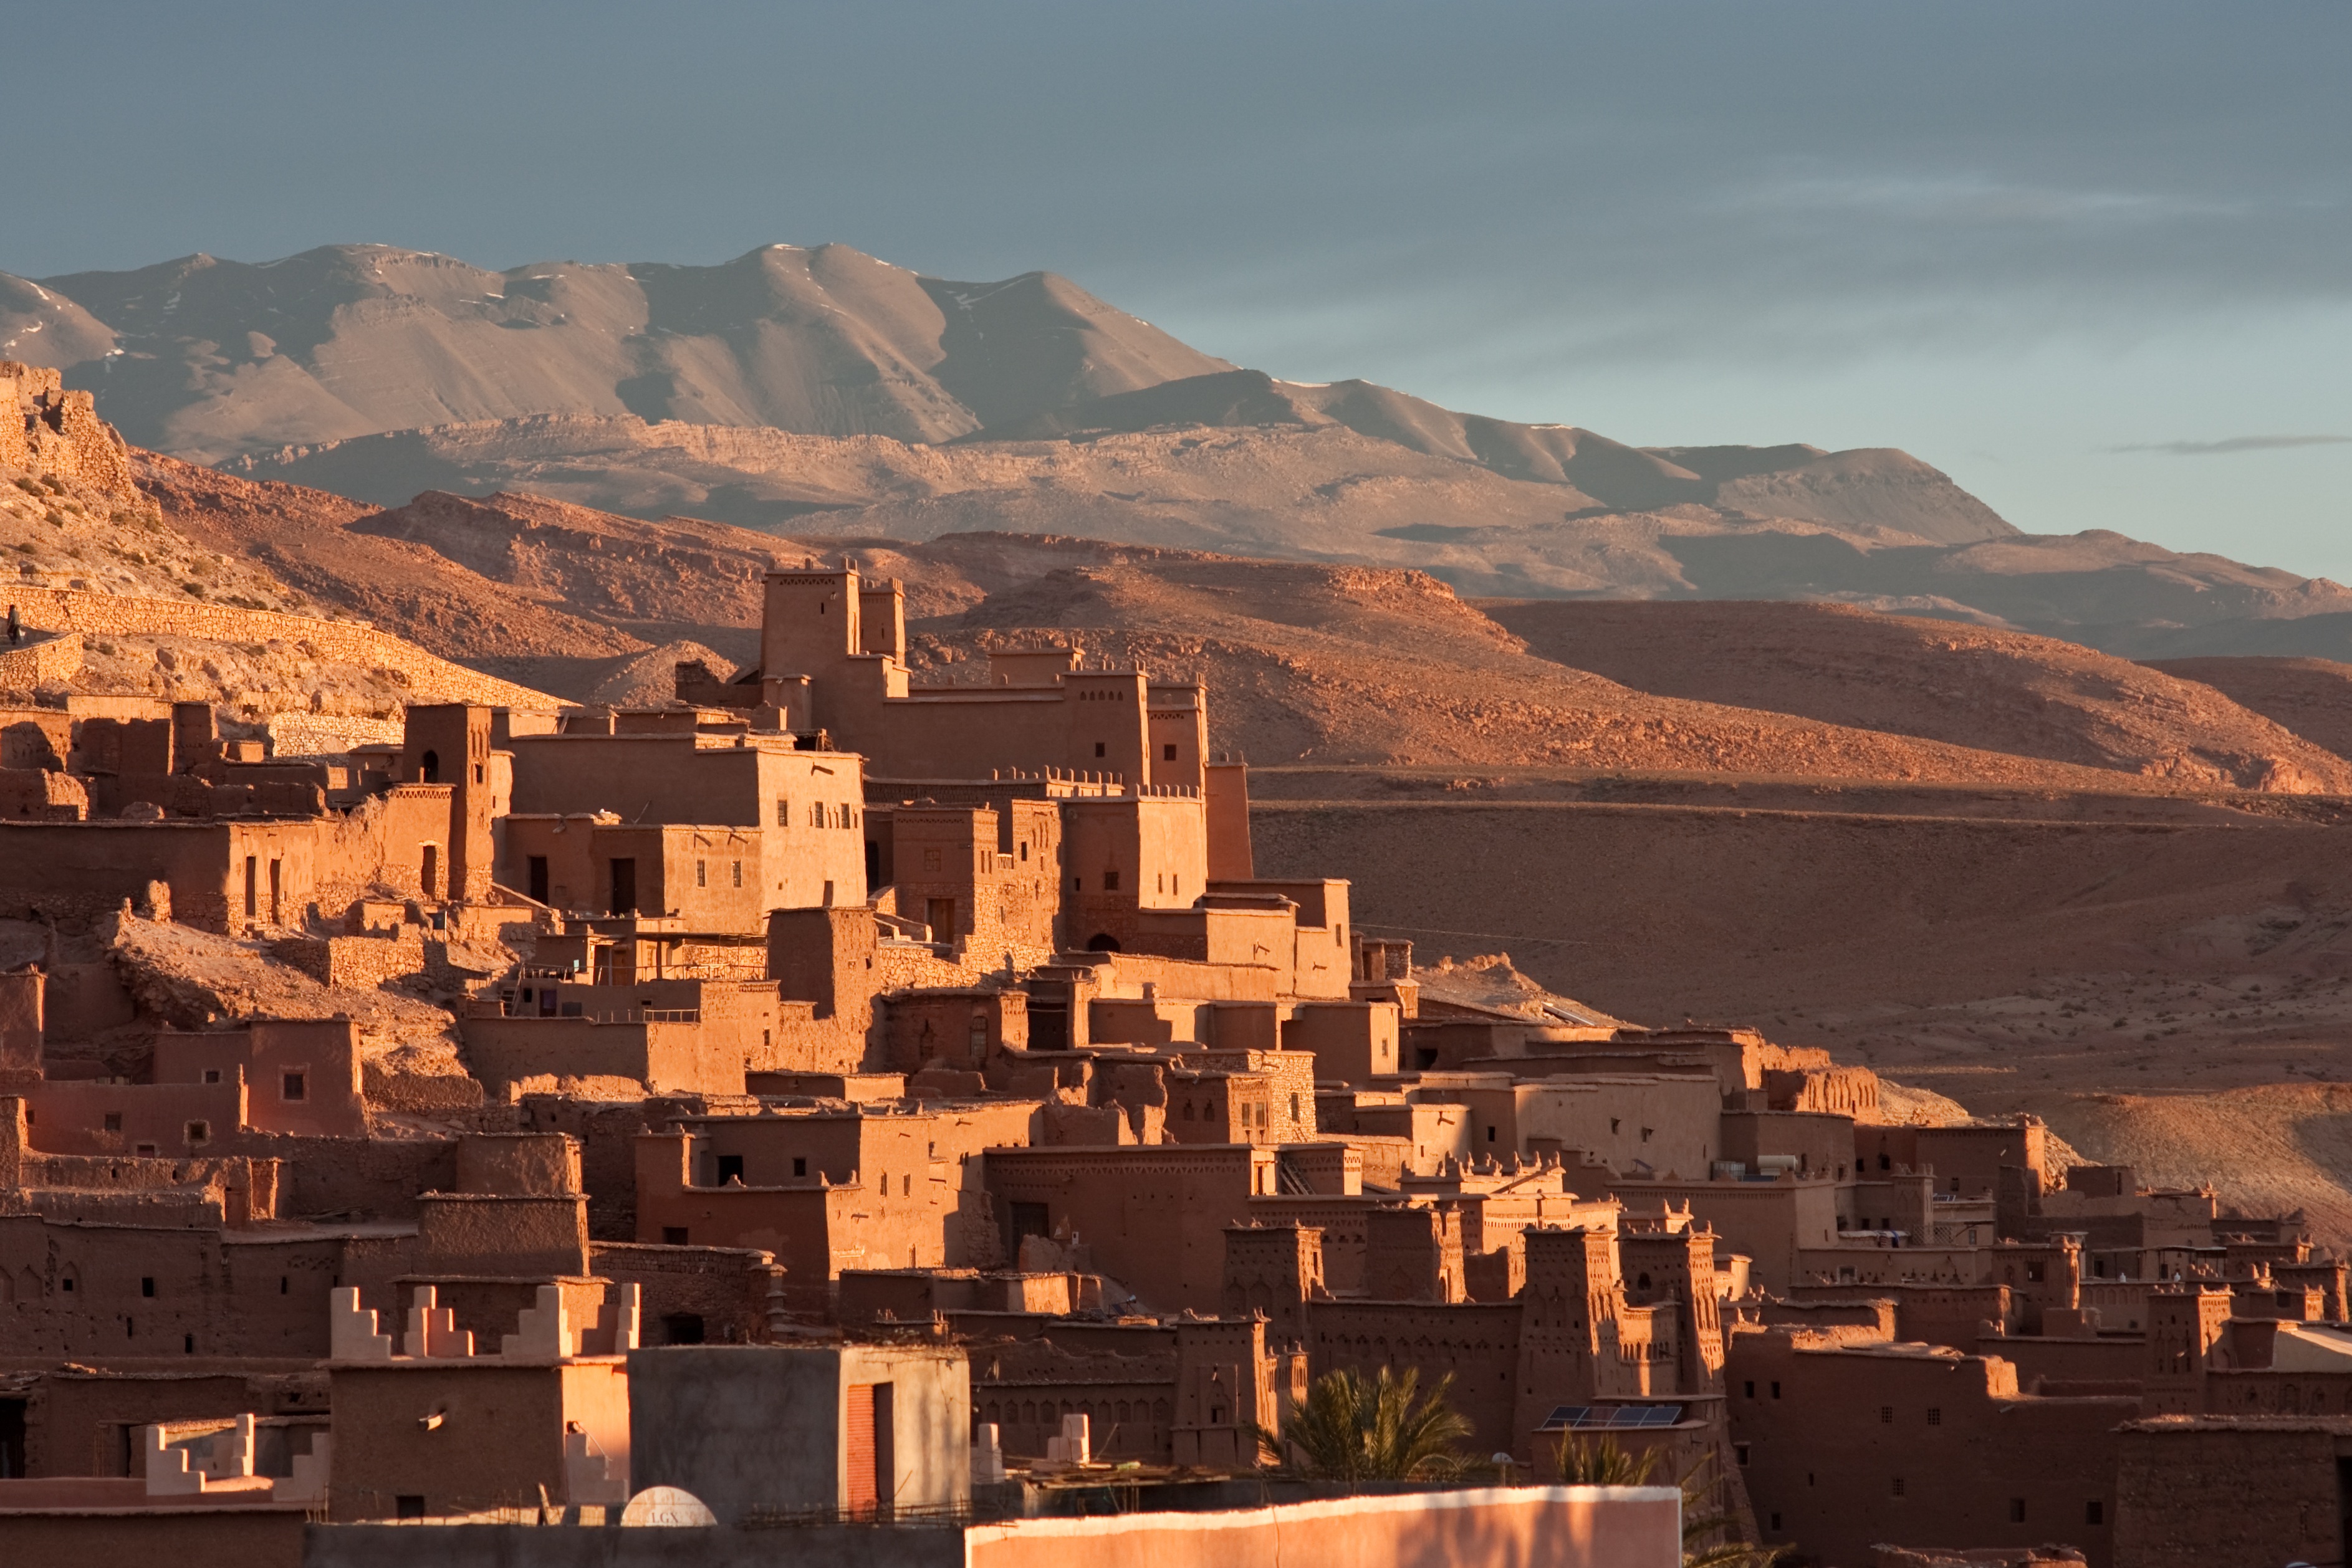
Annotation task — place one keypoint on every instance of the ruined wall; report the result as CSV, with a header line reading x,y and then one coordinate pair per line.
x,y
45,429
428,679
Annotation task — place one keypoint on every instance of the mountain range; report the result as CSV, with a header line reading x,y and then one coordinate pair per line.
x,y
825,392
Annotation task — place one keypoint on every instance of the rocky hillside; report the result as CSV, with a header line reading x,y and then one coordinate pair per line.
x,y
2032,696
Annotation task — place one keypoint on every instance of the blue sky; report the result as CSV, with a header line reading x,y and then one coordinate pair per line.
x,y
2091,259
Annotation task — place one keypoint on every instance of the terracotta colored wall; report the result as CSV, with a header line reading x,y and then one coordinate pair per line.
x,y
1825,1457
1549,1527
500,1438
193,1537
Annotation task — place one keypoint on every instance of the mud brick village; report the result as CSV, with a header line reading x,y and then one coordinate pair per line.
x,y
831,1113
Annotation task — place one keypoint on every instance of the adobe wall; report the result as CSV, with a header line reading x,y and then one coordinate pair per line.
x,y
1845,1447
83,1291
428,679
1768,1221
201,1535
722,1295
1477,1343
2196,1492
1155,1216
515,1056
1556,1527
500,1440
1511,1527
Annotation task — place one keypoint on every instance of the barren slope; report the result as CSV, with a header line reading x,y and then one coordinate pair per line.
x,y
2003,691
2312,698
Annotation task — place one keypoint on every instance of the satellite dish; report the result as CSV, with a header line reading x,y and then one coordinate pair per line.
x,y
667,1506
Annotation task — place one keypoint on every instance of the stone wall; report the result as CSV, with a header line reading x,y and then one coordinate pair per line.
x,y
429,679
45,429
55,657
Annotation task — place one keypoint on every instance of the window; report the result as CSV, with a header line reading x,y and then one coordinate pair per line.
x,y
674,1236
800,1165
1739,1452
253,886
2016,1511
147,1285
784,812
1775,1390
701,874
828,895
408,1505
1490,1133
1935,1416
1750,1388
1776,1522
736,871
1612,1123
294,1085
1899,1486
1293,1107
848,817
2094,1513
1077,884
1645,1133
212,1075
1168,751
1110,882
1886,1415
731,1168
535,870
2034,1273
1100,750
198,1131
478,773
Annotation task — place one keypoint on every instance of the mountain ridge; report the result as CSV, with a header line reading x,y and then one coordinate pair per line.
x,y
788,383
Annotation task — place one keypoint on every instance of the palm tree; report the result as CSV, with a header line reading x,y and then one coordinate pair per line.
x,y
1354,1429
1602,1461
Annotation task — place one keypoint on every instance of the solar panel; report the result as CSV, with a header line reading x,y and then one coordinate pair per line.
x,y
1567,1416
1588,1417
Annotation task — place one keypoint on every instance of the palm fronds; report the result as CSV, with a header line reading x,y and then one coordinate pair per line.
x,y
1354,1429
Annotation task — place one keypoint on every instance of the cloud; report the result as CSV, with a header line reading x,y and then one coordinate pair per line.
x,y
2235,444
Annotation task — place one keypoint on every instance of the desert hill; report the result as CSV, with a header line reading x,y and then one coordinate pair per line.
x,y
2312,698
2032,696
1306,662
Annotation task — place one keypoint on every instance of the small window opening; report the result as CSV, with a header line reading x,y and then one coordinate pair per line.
x,y
147,1285
800,1165
294,1085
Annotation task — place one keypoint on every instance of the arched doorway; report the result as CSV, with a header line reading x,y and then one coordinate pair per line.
x,y
1102,942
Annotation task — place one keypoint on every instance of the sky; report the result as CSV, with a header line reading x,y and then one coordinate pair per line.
x,y
2090,259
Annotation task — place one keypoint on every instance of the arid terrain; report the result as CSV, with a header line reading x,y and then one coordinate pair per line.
x,y
1492,673
824,391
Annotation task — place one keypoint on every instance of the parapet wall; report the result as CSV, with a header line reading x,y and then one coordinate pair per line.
x,y
429,679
